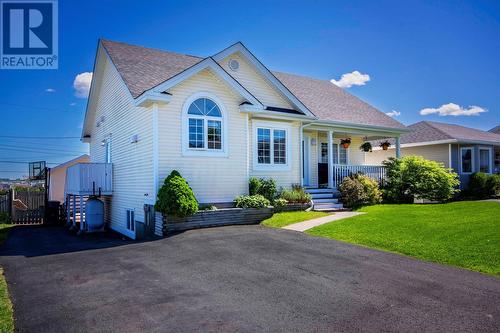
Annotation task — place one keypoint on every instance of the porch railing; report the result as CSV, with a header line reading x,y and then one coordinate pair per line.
x,y
340,171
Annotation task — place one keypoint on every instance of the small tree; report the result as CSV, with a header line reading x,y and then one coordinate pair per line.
x,y
175,197
413,177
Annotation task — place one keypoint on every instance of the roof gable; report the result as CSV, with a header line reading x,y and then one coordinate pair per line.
x,y
143,69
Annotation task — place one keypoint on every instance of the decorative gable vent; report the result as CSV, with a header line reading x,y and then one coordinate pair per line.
x,y
234,65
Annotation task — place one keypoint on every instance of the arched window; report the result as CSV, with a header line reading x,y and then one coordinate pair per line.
x,y
205,125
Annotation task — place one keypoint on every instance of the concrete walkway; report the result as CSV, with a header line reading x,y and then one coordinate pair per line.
x,y
303,226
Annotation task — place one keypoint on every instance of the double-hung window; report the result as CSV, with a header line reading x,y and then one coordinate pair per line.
x,y
485,160
271,147
205,125
466,159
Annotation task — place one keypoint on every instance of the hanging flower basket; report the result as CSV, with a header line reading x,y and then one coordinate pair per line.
x,y
385,145
366,147
345,143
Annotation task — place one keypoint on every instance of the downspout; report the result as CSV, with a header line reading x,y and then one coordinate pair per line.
x,y
301,163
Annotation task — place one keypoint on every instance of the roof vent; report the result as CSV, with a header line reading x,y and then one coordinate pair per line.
x,y
234,65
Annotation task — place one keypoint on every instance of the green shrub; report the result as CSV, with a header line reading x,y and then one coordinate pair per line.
x,y
279,204
4,218
359,190
251,201
482,186
297,195
268,189
175,197
413,177
254,185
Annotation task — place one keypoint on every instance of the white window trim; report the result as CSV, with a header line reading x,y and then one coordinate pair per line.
x,y
489,156
472,160
271,126
186,150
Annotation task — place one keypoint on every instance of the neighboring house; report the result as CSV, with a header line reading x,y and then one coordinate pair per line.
x,y
495,130
58,178
218,120
466,150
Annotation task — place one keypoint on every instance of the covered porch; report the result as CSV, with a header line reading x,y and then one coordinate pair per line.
x,y
326,161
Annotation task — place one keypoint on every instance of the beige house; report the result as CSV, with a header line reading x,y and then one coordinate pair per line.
x,y
464,149
218,120
58,178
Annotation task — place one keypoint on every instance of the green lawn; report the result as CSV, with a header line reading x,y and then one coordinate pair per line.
x,y
280,220
6,317
464,234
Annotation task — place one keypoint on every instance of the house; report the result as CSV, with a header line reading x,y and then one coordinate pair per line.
x,y
57,178
218,120
495,130
464,149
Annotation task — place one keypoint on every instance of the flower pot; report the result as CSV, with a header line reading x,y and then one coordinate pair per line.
x,y
345,145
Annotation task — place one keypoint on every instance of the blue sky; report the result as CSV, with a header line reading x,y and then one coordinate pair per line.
x,y
417,54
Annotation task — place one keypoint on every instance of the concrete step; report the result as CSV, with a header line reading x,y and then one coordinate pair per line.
x,y
325,200
328,206
318,190
321,195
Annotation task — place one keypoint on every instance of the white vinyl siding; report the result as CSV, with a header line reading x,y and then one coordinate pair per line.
x,y
255,83
439,153
132,162
213,178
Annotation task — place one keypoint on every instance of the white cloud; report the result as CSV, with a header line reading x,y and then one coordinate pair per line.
x,y
351,79
82,84
50,90
393,113
452,109
72,104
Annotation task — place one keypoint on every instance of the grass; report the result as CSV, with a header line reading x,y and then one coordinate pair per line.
x,y
280,220
464,234
6,313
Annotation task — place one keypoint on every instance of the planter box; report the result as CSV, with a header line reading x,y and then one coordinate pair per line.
x,y
216,218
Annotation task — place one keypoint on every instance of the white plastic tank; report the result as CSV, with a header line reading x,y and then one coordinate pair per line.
x,y
94,214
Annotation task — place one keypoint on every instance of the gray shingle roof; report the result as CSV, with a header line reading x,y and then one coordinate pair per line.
x,y
427,131
329,102
144,68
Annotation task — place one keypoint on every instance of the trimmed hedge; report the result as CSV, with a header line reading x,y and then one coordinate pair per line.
x,y
175,197
482,186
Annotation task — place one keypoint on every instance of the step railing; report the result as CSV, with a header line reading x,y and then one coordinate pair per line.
x,y
341,171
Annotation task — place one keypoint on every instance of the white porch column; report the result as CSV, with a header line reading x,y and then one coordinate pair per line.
x,y
330,159
398,147
82,221
74,210
155,152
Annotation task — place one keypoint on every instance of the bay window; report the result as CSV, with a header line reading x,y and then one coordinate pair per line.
x,y
466,159
485,160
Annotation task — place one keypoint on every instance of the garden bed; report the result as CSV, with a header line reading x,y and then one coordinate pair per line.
x,y
217,218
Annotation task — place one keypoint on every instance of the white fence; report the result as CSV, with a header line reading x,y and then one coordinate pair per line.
x,y
340,171
85,178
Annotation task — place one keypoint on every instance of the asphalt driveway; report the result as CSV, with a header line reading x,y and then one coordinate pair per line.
x,y
245,278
